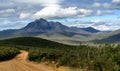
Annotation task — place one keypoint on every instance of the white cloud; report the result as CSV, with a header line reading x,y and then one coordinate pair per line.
x,y
106,5
58,12
9,4
24,15
116,1
96,21
102,12
96,5
7,11
102,5
106,25
42,2
115,4
108,11
53,9
10,24
102,27
99,12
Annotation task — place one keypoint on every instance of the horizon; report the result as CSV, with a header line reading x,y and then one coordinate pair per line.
x,y
102,15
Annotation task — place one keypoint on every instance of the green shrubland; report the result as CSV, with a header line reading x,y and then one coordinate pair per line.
x,y
93,58
7,53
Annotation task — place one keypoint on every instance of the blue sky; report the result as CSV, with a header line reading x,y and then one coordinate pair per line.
x,y
100,14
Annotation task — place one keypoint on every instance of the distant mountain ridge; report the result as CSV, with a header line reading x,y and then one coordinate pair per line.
x,y
42,26
112,37
50,30
90,29
59,32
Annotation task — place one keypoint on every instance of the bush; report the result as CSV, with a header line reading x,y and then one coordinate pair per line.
x,y
7,53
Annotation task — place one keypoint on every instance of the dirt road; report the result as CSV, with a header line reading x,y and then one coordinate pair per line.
x,y
19,63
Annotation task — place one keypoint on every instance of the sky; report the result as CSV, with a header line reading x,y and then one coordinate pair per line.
x,y
103,15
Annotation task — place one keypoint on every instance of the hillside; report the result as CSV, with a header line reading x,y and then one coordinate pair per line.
x,y
31,42
111,37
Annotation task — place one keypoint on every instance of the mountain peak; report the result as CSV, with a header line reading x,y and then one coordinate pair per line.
x,y
91,29
42,25
40,20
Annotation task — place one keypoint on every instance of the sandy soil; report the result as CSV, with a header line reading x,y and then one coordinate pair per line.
x,y
20,63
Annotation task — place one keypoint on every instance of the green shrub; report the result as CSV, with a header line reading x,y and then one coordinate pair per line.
x,y
7,53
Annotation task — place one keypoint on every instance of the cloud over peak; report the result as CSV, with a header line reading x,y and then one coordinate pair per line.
x,y
58,12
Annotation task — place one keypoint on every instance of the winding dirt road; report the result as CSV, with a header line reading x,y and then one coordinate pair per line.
x,y
19,63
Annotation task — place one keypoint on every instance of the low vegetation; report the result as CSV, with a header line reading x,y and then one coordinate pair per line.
x,y
93,58
102,58
7,53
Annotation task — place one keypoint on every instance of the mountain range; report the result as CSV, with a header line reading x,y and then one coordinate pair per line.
x,y
59,32
42,26
112,37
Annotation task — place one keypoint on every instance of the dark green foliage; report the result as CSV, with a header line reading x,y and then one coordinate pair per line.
x,y
102,58
7,53
31,42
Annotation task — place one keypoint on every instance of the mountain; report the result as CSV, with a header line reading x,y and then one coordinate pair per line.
x,y
111,37
90,29
41,25
7,33
47,29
